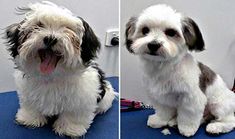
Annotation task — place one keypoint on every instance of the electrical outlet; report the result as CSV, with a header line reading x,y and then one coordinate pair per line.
x,y
112,37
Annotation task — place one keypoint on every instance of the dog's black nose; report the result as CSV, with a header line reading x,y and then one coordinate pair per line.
x,y
154,46
49,41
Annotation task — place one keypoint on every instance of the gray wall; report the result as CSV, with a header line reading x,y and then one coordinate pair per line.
x,y
216,20
100,15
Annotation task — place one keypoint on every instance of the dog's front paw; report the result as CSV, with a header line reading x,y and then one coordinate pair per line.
x,y
155,121
69,128
30,118
187,130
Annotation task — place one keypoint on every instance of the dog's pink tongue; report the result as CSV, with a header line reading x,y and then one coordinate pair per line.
x,y
48,64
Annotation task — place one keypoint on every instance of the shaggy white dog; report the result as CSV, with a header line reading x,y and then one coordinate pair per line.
x,y
55,75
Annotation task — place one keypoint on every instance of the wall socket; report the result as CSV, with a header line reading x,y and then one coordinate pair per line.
x,y
112,37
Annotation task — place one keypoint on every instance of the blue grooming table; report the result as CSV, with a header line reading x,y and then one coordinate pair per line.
x,y
134,126
104,126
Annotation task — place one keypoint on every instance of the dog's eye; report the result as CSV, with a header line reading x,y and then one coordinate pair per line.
x,y
171,32
40,24
145,30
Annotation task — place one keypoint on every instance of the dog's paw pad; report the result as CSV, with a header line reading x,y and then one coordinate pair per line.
x,y
155,122
71,129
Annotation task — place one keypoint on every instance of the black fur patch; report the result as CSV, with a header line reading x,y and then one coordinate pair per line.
x,y
13,36
90,44
101,80
233,86
130,28
192,35
206,78
128,45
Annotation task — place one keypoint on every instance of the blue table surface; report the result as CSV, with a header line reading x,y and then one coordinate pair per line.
x,y
105,126
134,126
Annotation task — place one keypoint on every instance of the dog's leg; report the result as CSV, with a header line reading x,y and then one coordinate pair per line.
x,y
222,107
161,117
30,117
107,101
190,114
222,125
73,124
223,111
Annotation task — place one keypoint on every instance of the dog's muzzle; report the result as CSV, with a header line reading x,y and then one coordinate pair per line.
x,y
153,47
48,57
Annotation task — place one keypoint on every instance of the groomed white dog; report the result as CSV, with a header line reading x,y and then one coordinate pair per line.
x,y
53,51
182,90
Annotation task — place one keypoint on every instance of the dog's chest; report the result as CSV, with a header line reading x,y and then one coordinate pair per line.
x,y
168,83
51,97
164,90
163,82
166,86
54,98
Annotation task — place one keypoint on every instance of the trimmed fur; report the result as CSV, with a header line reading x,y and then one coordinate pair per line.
x,y
180,88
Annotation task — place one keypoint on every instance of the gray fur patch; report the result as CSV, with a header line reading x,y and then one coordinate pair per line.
x,y
206,78
130,26
130,29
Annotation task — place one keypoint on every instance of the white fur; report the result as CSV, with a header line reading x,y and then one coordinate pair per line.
x,y
172,78
155,17
73,98
58,22
72,89
173,87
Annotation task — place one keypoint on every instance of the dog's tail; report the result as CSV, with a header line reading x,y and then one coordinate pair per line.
x,y
109,97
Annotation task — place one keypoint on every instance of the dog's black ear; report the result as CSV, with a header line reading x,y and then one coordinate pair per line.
x,y
12,36
130,29
192,35
90,44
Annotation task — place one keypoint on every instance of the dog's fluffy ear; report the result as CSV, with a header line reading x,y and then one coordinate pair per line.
x,y
192,35
12,36
90,44
130,29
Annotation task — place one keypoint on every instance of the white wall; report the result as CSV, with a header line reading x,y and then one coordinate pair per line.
x,y
216,20
101,15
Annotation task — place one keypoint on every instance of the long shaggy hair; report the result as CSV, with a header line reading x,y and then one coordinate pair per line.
x,y
53,51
